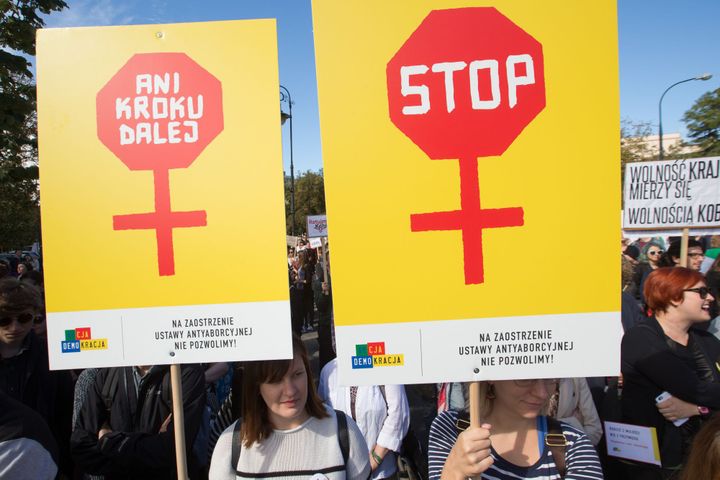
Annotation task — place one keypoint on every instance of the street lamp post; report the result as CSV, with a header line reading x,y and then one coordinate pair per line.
x,y
285,96
705,76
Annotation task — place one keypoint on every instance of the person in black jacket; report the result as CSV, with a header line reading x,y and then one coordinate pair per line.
x,y
322,291
24,372
124,429
667,353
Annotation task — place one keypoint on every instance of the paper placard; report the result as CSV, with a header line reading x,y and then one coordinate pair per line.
x,y
632,442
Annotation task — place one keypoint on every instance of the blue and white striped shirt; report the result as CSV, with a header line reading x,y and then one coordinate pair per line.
x,y
580,457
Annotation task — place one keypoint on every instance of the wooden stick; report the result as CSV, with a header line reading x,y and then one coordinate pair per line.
x,y
178,421
474,404
324,259
684,247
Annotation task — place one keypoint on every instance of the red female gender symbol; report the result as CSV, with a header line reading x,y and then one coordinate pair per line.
x,y
159,112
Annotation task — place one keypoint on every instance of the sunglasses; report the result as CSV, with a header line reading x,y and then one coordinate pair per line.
x,y
702,291
21,318
548,382
657,252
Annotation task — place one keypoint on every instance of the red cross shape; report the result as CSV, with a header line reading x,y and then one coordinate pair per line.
x,y
471,219
163,220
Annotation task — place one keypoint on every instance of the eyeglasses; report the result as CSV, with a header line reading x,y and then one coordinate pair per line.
x,y
656,252
21,318
702,291
695,255
530,382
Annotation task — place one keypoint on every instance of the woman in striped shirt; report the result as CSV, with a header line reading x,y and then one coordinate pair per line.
x,y
514,441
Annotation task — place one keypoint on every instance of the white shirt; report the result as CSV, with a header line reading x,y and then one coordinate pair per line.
x,y
308,448
382,421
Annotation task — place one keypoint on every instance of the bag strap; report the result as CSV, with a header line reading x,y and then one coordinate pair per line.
x,y
236,445
556,441
343,437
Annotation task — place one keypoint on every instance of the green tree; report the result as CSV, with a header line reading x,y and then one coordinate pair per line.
x,y
309,199
19,216
703,124
633,144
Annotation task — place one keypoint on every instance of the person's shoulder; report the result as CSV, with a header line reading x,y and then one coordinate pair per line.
x,y
450,416
229,430
328,370
445,424
573,435
570,431
705,335
645,329
193,375
193,369
708,339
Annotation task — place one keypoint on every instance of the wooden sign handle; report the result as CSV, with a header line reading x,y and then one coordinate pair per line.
x,y
178,421
324,259
474,391
475,404
684,247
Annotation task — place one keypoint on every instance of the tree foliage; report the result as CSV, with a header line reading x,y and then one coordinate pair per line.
x,y
703,124
309,199
633,147
19,216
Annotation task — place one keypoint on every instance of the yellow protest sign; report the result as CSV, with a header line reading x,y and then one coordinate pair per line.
x,y
162,193
479,140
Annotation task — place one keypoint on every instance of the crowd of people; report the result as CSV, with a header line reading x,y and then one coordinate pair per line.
x,y
272,419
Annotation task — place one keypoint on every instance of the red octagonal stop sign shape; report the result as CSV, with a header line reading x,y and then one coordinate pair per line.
x,y
159,111
466,83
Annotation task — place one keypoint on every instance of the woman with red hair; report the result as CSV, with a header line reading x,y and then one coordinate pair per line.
x,y
667,353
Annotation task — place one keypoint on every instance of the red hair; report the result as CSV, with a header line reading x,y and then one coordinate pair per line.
x,y
666,285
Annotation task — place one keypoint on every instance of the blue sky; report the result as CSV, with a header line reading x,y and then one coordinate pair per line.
x,y
661,42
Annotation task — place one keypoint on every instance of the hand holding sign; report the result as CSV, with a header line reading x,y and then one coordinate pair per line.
x,y
159,112
465,84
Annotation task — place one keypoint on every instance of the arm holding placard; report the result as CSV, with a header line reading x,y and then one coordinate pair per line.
x,y
457,456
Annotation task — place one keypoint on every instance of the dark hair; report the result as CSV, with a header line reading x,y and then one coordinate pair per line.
x,y
666,285
256,425
16,296
632,251
704,459
673,252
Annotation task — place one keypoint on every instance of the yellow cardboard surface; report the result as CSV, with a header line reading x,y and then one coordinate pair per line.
x,y
562,170
237,179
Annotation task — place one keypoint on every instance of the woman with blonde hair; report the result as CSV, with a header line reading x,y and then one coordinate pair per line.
x,y
515,439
